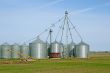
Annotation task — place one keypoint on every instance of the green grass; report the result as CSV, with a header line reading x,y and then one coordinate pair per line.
x,y
91,65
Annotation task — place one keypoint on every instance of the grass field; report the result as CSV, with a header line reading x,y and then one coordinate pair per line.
x,y
95,64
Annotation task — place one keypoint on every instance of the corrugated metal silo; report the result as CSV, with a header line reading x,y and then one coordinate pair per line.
x,y
24,49
5,51
82,50
71,49
55,50
15,50
38,49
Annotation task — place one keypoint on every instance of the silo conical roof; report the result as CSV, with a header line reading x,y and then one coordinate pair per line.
x,y
38,40
83,43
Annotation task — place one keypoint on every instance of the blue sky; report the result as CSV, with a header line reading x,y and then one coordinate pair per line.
x,y
21,20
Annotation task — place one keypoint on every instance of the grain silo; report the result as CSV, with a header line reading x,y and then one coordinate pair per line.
x,y
5,51
15,51
82,50
55,50
38,49
71,49
24,49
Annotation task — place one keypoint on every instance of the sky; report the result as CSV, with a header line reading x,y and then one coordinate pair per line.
x,y
23,20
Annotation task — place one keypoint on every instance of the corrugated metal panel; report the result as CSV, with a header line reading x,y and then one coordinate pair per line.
x,y
15,50
38,49
5,50
82,50
55,47
24,49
